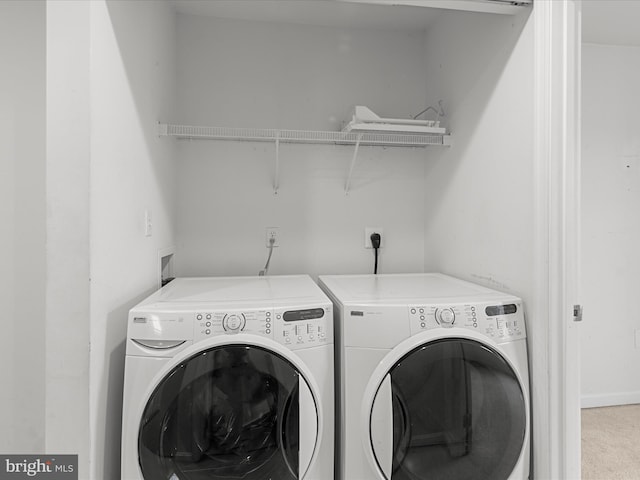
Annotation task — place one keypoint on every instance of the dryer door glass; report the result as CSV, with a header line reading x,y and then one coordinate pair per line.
x,y
458,413
230,412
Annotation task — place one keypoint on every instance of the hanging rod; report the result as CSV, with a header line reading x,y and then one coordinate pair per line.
x,y
302,136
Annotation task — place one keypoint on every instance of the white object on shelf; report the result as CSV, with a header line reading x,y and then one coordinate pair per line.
x,y
387,139
365,120
504,7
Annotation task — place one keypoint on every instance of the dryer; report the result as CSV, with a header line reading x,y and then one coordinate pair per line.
x,y
229,378
432,379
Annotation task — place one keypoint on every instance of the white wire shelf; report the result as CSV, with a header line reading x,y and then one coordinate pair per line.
x,y
303,136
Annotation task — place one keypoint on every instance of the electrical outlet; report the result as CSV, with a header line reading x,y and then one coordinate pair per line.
x,y
273,233
367,236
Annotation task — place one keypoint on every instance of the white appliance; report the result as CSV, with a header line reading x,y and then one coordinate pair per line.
x,y
364,120
432,379
229,378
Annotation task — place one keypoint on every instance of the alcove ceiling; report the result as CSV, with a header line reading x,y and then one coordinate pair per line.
x,y
611,22
330,13
604,21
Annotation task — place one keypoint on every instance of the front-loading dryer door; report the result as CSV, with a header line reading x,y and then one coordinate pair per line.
x,y
229,412
452,408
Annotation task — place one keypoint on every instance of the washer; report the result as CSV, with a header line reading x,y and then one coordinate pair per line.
x,y
229,378
432,379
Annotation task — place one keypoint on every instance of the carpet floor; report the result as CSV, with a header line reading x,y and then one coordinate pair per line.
x,y
611,443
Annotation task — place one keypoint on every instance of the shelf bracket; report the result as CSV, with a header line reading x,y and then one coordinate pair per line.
x,y
276,177
353,164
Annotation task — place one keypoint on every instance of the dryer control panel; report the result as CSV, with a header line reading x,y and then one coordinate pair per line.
x,y
500,321
304,328
294,328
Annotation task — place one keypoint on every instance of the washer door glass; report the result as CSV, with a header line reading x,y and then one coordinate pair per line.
x,y
457,412
230,412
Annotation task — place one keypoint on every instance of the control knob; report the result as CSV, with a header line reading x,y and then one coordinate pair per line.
x,y
445,316
233,322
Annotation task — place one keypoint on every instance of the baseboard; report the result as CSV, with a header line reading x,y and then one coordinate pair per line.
x,y
609,399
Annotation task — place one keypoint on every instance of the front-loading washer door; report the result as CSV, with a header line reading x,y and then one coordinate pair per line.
x,y
449,409
228,412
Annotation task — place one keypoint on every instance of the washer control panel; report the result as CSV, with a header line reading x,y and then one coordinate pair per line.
x,y
500,321
304,328
210,323
294,328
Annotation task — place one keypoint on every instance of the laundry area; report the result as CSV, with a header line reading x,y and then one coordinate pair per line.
x,y
259,227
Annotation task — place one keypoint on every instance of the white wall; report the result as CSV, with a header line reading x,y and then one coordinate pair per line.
x,y
479,213
479,218
610,224
268,75
132,170
45,183
22,226
67,189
